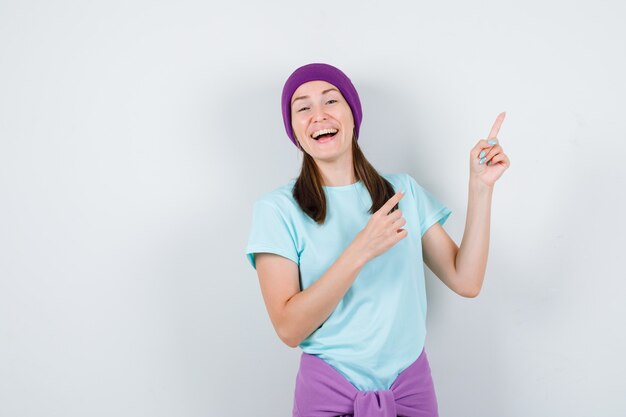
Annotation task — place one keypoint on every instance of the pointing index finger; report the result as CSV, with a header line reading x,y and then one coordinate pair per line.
x,y
386,208
496,126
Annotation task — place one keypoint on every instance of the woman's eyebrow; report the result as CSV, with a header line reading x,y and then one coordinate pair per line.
x,y
323,92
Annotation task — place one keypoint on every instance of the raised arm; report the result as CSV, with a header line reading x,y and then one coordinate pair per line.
x,y
462,268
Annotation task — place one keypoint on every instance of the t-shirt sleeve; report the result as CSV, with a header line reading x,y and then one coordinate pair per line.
x,y
270,232
430,209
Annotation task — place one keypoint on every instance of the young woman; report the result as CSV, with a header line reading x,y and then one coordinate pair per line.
x,y
340,253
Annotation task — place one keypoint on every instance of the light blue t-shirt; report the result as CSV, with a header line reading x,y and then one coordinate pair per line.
x,y
379,327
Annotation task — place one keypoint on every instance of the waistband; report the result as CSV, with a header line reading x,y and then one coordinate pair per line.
x,y
321,391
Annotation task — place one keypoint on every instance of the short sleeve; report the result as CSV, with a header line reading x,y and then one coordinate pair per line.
x,y
430,209
270,232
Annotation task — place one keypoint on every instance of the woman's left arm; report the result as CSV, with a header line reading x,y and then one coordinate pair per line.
x,y
462,268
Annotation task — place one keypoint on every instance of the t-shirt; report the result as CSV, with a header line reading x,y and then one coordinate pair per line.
x,y
379,327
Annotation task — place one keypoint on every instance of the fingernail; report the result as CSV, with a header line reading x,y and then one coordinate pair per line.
x,y
483,153
482,161
492,142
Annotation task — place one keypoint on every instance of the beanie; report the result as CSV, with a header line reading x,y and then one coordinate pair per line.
x,y
323,72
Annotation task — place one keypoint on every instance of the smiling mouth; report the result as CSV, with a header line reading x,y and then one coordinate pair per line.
x,y
326,137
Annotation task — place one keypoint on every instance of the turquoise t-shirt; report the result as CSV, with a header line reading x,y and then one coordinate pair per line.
x,y
379,327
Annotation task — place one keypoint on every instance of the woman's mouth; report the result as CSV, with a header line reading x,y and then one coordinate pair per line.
x,y
327,136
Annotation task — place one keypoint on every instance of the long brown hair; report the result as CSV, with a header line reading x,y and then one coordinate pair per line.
x,y
309,194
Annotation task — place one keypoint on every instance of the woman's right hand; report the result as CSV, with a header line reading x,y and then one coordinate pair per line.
x,y
383,230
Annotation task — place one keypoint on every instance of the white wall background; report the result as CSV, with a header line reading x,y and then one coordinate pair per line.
x,y
135,136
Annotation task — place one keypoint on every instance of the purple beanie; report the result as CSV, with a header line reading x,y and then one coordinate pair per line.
x,y
323,72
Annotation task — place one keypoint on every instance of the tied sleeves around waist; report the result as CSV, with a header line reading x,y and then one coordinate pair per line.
x,y
321,391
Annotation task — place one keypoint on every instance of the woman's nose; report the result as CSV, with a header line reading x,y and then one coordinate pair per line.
x,y
319,113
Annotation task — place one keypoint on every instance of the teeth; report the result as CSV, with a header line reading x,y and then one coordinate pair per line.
x,y
323,131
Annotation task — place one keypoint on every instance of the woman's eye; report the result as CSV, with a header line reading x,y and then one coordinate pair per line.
x,y
329,101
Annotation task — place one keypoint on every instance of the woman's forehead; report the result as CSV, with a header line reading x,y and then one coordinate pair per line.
x,y
312,87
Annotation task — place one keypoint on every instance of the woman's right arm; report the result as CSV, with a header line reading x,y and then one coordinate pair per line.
x,y
296,314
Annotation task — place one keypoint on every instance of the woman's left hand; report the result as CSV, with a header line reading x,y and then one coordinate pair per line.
x,y
494,160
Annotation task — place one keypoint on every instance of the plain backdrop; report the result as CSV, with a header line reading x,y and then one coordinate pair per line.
x,y
136,135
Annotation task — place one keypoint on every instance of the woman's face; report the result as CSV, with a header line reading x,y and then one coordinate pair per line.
x,y
318,105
